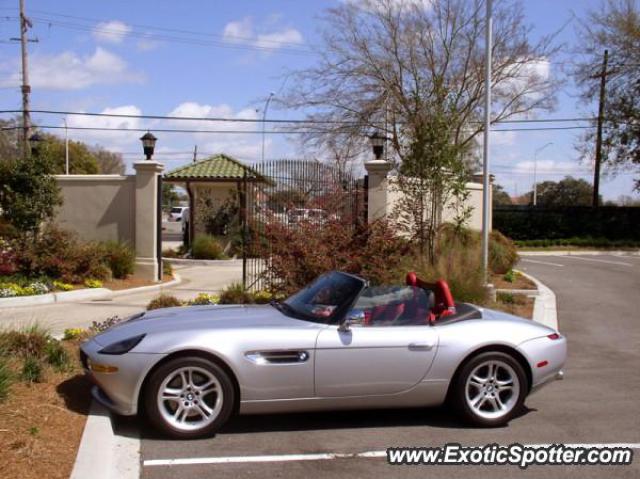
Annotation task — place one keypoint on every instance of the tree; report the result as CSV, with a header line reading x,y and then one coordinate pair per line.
x,y
567,192
28,192
500,196
614,26
81,159
169,194
385,63
109,163
416,74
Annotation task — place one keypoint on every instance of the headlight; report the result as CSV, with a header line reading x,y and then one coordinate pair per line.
x,y
123,346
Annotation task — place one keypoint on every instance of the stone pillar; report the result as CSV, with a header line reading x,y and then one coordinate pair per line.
x,y
378,194
146,219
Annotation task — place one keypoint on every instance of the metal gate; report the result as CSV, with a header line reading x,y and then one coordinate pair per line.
x,y
291,192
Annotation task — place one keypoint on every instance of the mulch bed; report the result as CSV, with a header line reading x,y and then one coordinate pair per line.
x,y
520,282
41,425
522,305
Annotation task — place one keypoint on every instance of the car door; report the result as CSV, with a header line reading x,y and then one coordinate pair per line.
x,y
380,355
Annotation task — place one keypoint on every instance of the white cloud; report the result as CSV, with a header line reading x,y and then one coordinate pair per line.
x,y
243,32
113,31
69,71
381,5
238,31
523,75
146,45
246,146
113,140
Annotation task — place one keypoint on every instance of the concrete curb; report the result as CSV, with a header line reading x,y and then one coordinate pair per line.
x,y
544,308
527,292
145,289
578,252
200,262
103,454
89,294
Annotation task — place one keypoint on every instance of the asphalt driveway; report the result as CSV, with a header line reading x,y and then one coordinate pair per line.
x,y
599,311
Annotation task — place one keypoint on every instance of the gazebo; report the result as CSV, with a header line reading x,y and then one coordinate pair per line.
x,y
214,180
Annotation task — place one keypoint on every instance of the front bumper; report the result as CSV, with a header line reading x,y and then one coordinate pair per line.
x,y
117,390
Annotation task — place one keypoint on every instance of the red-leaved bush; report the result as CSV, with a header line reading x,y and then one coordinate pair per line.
x,y
298,254
8,259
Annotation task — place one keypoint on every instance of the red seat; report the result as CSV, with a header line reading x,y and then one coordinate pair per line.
x,y
445,304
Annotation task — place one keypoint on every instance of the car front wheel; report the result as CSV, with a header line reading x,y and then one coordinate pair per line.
x,y
490,389
189,397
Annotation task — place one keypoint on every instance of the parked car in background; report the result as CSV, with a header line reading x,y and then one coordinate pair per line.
x,y
177,212
185,219
312,215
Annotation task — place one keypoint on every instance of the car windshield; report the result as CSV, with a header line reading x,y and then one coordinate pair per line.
x,y
324,300
176,210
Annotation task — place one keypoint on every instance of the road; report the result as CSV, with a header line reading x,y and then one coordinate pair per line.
x,y
598,308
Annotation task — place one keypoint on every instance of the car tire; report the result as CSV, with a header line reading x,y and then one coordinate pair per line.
x,y
189,398
489,389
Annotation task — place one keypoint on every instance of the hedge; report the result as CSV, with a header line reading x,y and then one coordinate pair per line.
x,y
605,222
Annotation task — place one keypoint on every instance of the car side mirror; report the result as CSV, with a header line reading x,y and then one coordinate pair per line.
x,y
355,317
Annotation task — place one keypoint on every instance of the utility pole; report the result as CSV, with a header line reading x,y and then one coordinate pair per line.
x,y
596,172
25,24
195,153
264,121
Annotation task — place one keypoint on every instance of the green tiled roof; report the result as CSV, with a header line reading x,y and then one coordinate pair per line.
x,y
217,167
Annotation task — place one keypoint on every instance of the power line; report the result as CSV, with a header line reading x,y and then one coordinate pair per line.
x,y
285,121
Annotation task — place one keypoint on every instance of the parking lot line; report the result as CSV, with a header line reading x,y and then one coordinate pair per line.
x,y
621,263
189,461
527,260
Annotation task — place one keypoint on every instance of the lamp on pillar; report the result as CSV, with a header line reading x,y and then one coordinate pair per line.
x,y
35,141
148,144
377,143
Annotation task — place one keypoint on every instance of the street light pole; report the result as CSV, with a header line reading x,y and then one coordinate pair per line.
x,y
264,118
535,172
486,183
66,147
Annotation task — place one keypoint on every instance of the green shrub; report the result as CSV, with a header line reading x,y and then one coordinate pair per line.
x,y
32,371
93,283
73,333
120,258
59,255
235,294
57,356
205,299
167,269
62,286
101,326
164,301
206,247
503,254
510,276
29,342
5,380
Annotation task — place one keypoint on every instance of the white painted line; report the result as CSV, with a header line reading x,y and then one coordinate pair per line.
x,y
597,260
326,456
542,262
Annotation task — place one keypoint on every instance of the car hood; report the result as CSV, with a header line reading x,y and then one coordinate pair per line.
x,y
201,318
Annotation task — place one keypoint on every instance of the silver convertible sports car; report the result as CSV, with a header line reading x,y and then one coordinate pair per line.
x,y
336,344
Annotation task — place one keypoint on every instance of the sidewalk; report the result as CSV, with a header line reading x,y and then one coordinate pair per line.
x,y
60,316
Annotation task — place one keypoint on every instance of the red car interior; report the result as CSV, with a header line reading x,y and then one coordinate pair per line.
x,y
444,304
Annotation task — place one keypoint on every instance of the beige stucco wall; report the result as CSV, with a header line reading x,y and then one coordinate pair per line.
x,y
98,207
385,195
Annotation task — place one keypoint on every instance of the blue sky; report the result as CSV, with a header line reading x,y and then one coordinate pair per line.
x,y
94,56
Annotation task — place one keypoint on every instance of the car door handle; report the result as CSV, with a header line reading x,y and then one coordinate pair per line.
x,y
420,347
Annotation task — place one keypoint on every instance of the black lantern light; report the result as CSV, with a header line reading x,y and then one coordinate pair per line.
x,y
377,143
148,144
35,141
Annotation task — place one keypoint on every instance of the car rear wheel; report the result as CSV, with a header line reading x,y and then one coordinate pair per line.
x,y
189,397
490,389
